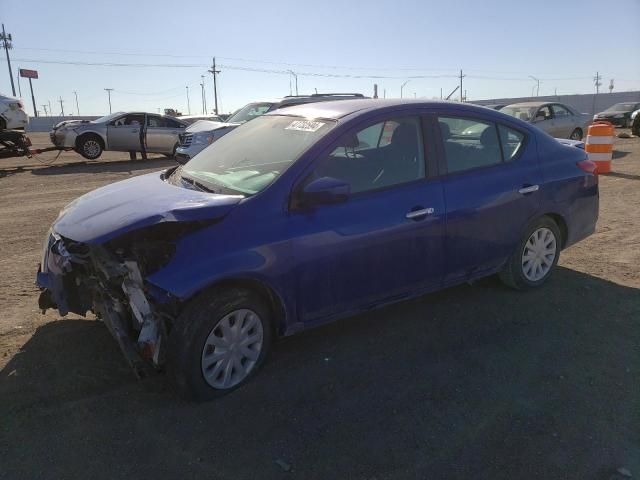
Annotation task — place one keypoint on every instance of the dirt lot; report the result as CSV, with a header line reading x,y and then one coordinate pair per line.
x,y
472,382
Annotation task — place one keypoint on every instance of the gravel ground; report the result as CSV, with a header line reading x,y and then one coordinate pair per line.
x,y
472,382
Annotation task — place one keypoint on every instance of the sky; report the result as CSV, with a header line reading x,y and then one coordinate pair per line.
x,y
150,51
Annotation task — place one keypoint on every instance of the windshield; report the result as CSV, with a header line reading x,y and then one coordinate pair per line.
x,y
523,113
252,156
249,112
108,118
621,107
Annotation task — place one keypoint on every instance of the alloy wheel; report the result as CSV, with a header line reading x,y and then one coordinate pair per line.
x,y
91,148
539,254
232,349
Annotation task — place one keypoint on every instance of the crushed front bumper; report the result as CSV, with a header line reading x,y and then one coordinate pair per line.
x,y
80,278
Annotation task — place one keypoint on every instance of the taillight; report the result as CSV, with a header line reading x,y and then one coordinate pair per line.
x,y
588,166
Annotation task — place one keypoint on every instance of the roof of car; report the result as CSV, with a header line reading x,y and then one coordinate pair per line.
x,y
341,108
528,104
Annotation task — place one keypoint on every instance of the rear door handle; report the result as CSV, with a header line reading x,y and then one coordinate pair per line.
x,y
419,214
529,189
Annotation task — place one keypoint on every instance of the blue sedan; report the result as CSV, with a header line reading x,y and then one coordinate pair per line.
x,y
310,214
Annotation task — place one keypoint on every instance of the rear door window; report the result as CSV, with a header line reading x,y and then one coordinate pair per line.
x,y
560,111
469,143
512,142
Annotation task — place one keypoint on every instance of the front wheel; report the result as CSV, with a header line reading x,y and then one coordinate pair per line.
x,y
533,261
90,147
218,342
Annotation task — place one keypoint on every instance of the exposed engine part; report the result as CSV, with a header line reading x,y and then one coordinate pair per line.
x,y
81,277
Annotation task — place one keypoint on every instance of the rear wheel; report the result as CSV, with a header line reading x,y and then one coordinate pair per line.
x,y
576,134
218,342
3,124
537,254
90,146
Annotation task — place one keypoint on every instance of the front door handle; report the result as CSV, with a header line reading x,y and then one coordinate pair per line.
x,y
419,214
529,189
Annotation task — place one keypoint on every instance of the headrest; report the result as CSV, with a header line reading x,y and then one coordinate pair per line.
x,y
349,141
445,130
404,133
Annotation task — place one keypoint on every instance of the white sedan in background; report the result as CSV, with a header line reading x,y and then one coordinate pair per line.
x,y
12,114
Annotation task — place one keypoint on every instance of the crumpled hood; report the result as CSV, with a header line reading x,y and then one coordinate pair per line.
x,y
208,126
138,202
65,123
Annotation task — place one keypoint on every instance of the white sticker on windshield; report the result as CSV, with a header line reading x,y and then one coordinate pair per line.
x,y
304,125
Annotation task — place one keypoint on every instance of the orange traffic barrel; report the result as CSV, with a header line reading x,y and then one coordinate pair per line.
x,y
599,145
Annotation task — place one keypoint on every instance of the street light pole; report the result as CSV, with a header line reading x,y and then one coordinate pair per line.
x,y
537,80
402,87
109,90
77,106
188,103
295,76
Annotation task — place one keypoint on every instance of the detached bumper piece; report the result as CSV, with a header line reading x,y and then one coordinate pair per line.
x,y
78,278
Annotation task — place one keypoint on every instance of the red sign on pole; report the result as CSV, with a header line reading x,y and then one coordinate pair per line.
x,y
28,73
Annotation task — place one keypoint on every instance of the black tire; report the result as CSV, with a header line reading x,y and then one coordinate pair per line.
x,y
635,128
576,134
187,339
90,146
513,274
3,124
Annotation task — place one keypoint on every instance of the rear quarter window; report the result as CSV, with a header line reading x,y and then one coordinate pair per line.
x,y
512,142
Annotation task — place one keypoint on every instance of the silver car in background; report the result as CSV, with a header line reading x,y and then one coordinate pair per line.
x,y
557,119
122,132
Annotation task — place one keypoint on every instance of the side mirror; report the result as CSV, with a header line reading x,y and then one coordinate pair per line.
x,y
540,117
324,191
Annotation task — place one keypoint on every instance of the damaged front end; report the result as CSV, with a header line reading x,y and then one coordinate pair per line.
x,y
109,280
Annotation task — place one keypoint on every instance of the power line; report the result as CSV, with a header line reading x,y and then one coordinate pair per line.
x,y
286,71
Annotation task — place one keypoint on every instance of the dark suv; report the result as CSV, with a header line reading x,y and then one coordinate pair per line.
x,y
201,134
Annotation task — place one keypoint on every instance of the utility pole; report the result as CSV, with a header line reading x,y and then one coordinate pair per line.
x,y
402,87
611,86
45,110
440,93
188,103
19,88
596,81
77,107
215,72
461,77
6,43
109,90
50,109
62,107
